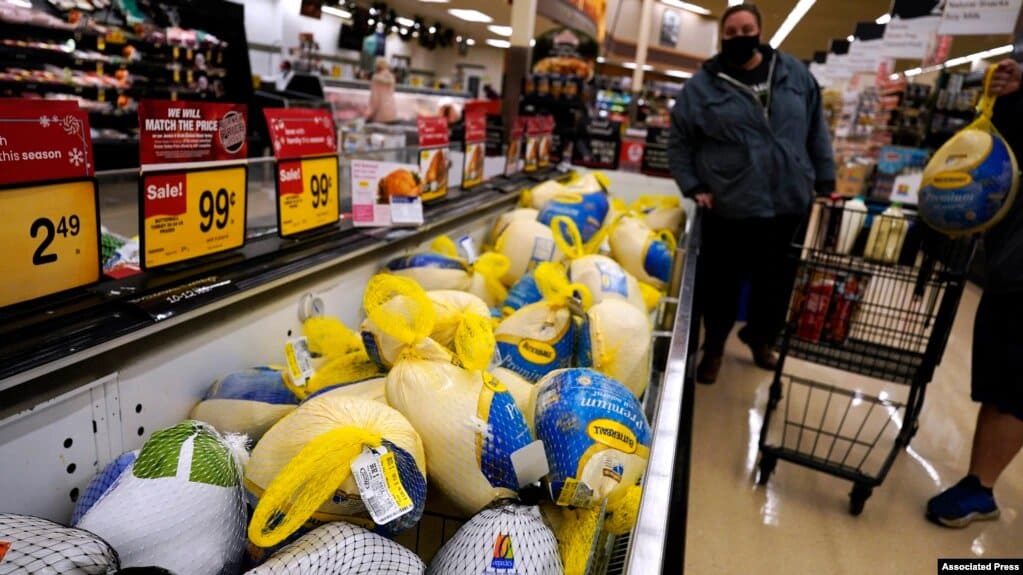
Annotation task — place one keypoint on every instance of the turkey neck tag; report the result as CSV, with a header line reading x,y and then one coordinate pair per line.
x,y
376,474
300,364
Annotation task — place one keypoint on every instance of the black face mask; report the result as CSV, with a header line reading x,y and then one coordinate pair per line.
x,y
738,50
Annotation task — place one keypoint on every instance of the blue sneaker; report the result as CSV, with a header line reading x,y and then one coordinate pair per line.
x,y
962,504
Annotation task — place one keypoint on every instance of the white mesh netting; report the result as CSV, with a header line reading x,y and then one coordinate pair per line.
x,y
34,546
342,549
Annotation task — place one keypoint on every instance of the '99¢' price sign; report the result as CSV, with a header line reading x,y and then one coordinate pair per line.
x,y
307,194
191,214
50,234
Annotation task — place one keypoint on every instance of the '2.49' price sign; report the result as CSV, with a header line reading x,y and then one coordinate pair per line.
x,y
51,238
307,194
190,214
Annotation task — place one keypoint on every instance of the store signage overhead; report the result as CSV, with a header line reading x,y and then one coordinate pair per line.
x,y
192,191
475,149
305,145
913,28
48,200
966,17
433,156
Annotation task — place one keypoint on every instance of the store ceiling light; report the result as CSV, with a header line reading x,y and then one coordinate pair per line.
x,y
633,66
470,42
735,2
600,59
470,15
688,6
406,22
679,74
913,72
433,29
883,19
20,3
332,11
999,51
435,1
850,38
790,23
498,43
505,31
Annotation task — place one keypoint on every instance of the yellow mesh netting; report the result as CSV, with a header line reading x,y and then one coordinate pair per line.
x,y
399,307
444,245
622,515
329,336
553,283
492,266
474,342
345,368
651,295
309,479
575,530
570,240
646,202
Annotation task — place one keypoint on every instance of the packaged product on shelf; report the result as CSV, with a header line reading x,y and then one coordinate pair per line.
x,y
247,401
887,236
485,270
101,483
854,214
507,538
468,421
595,433
306,469
848,293
541,337
526,244
644,253
660,212
32,545
814,289
182,492
342,549
616,339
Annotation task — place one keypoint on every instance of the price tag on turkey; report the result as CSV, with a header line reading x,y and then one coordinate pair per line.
x,y
300,361
376,474
50,228
191,214
307,194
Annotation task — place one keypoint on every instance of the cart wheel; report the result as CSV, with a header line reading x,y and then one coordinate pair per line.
x,y
767,463
858,498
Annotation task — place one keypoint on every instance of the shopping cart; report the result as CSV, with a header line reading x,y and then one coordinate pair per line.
x,y
874,296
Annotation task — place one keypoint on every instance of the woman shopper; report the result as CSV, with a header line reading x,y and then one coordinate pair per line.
x,y
997,382
382,108
749,143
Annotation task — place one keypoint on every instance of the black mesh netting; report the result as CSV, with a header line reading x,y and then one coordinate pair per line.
x,y
510,538
342,549
37,546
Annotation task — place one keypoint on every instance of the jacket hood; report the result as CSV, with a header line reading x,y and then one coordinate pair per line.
x,y
714,66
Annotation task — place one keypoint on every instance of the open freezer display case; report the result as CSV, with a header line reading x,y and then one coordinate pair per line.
x,y
83,382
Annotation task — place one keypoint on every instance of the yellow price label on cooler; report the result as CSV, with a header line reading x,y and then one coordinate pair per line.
x,y
191,214
50,235
307,194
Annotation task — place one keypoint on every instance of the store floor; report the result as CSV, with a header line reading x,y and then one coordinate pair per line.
x,y
799,522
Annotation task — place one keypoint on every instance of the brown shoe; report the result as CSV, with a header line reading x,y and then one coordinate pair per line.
x,y
707,371
763,356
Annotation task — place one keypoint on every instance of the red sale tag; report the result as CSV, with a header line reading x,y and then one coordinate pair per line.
x,y
172,132
289,175
475,128
433,131
300,132
42,140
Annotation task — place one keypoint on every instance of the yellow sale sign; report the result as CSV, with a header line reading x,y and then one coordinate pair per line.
x,y
191,214
50,237
307,194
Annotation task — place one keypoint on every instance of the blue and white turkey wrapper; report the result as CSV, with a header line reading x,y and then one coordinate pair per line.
x,y
36,546
101,483
641,252
606,279
341,549
432,271
595,433
183,493
536,340
587,211
506,539
247,402
524,292
526,244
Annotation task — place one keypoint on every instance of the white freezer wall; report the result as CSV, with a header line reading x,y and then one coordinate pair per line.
x,y
50,452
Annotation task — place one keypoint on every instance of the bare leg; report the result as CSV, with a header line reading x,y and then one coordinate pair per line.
x,y
996,441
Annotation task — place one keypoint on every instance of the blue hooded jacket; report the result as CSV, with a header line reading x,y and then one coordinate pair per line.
x,y
757,162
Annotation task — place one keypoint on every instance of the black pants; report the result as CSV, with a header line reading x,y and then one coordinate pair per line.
x,y
733,251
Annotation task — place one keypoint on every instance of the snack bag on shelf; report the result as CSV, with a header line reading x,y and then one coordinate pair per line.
x,y
507,538
596,436
32,545
541,337
182,492
247,401
342,549
469,422
310,468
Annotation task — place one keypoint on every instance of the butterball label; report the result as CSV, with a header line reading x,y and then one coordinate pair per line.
x,y
537,352
612,434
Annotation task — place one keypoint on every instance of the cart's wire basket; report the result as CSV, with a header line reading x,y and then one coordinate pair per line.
x,y
869,291
832,428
